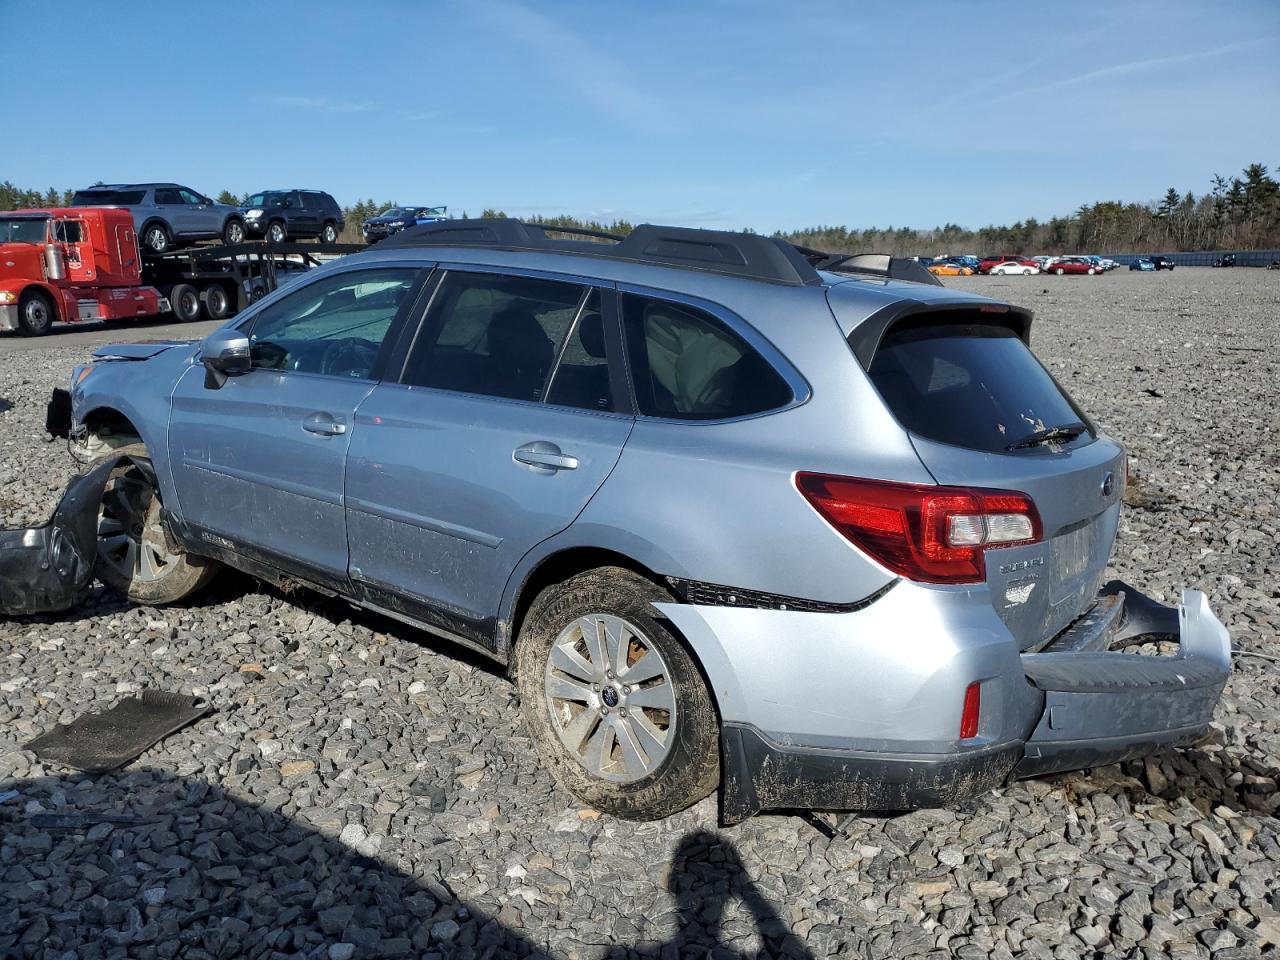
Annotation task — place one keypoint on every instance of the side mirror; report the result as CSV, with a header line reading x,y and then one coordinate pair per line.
x,y
224,353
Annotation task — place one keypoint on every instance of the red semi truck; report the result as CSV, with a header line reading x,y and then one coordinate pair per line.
x,y
73,263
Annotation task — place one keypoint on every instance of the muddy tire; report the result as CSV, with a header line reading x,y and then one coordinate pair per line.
x,y
135,557
620,713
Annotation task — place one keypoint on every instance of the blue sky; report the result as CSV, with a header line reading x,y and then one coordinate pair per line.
x,y
724,113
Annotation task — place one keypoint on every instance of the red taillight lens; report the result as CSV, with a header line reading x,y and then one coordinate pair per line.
x,y
969,715
930,534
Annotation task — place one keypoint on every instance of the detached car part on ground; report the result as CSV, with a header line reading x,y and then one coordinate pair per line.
x,y
830,537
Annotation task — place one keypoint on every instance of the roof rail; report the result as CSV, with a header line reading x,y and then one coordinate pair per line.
x,y
878,265
747,255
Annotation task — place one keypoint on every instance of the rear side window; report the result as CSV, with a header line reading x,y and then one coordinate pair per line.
x,y
493,335
686,365
107,198
973,385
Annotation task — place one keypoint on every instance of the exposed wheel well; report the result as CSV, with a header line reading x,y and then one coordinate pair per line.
x,y
560,567
105,430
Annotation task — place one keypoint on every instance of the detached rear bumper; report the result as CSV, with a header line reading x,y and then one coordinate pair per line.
x,y
1092,704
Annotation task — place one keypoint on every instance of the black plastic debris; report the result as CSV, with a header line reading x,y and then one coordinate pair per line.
x,y
98,742
49,568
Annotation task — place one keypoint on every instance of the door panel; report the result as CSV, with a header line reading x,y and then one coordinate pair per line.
x,y
440,508
248,469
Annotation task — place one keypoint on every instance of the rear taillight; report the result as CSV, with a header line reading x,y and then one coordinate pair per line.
x,y
971,712
931,534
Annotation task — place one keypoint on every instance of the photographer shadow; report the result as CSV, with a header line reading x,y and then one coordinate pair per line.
x,y
141,862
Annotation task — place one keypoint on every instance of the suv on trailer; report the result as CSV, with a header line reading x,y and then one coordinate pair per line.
x,y
166,214
281,215
816,530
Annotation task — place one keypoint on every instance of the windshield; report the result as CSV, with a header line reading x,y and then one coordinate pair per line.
x,y
973,385
22,230
107,198
257,200
398,212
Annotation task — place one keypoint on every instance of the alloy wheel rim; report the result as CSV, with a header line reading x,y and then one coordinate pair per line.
x,y
131,538
611,698
235,233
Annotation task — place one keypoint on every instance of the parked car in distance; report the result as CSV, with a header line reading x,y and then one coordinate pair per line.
x,y
1065,265
398,218
965,260
1019,267
478,435
1162,263
985,265
945,268
1142,263
280,215
1226,260
167,214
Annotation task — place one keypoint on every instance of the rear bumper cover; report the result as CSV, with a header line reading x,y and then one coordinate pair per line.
x,y
1099,705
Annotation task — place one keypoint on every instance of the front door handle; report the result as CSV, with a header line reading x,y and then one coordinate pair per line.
x,y
325,424
542,456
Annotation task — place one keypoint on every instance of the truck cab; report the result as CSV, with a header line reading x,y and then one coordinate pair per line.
x,y
72,263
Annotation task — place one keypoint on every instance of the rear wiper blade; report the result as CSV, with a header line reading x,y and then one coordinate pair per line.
x,y
1067,431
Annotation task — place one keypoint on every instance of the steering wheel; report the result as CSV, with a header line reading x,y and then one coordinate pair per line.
x,y
352,357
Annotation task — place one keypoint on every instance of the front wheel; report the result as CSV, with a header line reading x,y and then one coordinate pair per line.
x,y
1059,271
612,699
1091,271
136,556
233,232
35,313
329,233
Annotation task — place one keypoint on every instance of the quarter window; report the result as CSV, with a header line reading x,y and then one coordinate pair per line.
x,y
493,335
686,365
333,326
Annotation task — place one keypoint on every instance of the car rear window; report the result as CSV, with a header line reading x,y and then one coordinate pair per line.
x,y
969,384
107,198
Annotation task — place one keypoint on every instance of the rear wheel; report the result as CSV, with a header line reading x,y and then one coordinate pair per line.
x,y
217,305
155,237
136,556
35,313
329,233
184,301
276,232
615,704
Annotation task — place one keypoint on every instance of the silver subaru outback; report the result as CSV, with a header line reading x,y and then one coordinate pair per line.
x,y
813,530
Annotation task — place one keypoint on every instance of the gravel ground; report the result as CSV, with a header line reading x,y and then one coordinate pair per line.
x,y
364,790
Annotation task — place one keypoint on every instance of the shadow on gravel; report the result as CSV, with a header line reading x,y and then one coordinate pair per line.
x,y
142,863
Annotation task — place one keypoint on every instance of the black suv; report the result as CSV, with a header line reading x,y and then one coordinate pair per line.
x,y
1161,263
281,215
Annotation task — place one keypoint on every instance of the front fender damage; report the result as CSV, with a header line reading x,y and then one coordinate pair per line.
x,y
49,568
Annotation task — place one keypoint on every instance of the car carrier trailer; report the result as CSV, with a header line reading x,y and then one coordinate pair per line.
x,y
217,282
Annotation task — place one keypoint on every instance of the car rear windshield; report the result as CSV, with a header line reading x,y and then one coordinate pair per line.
x,y
969,384
107,198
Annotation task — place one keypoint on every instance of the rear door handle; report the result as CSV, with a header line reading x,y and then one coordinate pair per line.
x,y
325,424
544,457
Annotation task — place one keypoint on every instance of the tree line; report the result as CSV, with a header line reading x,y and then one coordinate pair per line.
x,y
1236,213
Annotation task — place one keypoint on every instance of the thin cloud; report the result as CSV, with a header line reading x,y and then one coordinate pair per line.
x,y
580,66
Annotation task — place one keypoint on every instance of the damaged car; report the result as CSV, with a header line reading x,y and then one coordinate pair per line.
x,y
815,531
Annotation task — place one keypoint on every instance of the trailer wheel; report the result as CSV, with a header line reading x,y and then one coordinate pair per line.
x,y
217,305
275,232
329,232
184,300
156,238
35,313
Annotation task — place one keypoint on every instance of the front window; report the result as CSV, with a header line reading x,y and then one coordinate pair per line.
x,y
333,326
23,230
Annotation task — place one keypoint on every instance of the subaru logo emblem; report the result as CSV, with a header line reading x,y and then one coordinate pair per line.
x,y
1108,483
